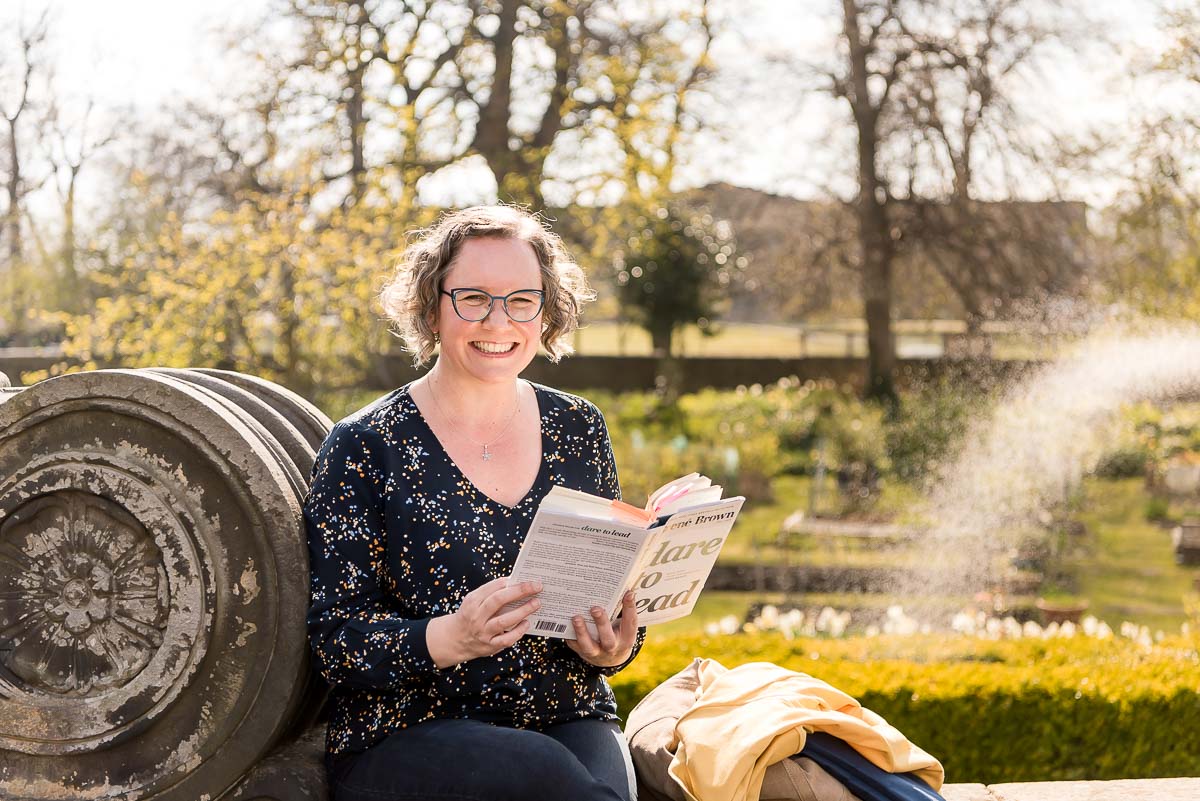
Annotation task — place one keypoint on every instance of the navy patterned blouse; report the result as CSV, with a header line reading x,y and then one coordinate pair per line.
x,y
398,535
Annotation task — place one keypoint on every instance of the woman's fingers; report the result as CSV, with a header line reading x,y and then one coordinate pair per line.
x,y
627,633
484,590
508,620
584,644
608,647
501,597
604,630
507,638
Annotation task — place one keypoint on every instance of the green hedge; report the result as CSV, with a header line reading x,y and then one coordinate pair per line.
x,y
1023,710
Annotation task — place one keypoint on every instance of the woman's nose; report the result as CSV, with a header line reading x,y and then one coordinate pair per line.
x,y
497,317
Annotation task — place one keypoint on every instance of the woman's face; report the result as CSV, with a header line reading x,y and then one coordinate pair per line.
x,y
494,349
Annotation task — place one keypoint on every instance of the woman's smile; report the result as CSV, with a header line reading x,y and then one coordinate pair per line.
x,y
494,348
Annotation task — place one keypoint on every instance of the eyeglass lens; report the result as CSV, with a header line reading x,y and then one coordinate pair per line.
x,y
474,305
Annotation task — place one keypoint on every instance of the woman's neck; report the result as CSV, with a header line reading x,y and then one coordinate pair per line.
x,y
471,403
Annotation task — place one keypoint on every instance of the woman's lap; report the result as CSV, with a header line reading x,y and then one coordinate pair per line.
x,y
466,760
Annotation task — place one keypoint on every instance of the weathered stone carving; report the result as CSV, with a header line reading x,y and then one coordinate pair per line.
x,y
153,583
86,599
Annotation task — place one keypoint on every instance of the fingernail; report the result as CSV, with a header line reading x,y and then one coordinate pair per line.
x,y
537,604
577,620
597,611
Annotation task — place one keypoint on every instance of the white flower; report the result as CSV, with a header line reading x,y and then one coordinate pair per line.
x,y
963,623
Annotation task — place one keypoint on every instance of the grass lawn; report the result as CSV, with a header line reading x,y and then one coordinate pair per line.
x,y
755,537
1128,570
836,338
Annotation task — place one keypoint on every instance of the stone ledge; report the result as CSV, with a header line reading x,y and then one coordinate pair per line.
x,y
296,772
1118,790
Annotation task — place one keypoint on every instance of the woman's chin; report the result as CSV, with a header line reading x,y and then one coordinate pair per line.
x,y
494,366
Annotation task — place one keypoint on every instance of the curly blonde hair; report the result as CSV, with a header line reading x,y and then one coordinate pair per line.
x,y
411,297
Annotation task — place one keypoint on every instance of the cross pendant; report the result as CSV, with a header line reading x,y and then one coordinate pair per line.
x,y
486,455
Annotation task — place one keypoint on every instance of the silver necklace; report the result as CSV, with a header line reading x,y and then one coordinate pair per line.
x,y
487,455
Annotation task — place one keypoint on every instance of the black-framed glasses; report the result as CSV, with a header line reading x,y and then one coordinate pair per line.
x,y
473,305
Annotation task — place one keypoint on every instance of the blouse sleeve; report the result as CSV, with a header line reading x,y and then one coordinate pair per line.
x,y
610,486
356,638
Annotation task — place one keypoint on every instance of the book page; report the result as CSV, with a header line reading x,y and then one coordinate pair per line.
x,y
581,563
673,570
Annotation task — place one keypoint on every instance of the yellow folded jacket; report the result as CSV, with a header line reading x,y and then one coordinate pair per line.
x,y
757,714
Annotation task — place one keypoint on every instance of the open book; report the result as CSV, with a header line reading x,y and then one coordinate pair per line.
x,y
588,550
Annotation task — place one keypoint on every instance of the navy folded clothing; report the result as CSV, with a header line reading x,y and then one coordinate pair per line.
x,y
866,780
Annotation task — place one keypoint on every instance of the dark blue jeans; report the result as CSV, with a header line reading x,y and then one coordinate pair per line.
x,y
464,760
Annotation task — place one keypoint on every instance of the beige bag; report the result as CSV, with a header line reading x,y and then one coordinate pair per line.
x,y
650,731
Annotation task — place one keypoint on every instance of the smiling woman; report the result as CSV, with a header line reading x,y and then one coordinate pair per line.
x,y
418,508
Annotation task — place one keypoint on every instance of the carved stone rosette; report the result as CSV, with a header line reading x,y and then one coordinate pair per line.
x,y
86,601
153,583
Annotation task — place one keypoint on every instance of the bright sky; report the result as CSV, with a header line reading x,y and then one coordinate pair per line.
x,y
140,52
149,52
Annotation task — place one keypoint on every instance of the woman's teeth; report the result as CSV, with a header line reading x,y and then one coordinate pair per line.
x,y
494,347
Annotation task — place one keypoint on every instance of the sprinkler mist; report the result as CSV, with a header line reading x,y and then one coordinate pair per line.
x,y
1046,432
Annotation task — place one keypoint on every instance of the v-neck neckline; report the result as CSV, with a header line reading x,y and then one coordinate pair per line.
x,y
537,479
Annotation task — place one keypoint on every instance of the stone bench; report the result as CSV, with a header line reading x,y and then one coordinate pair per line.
x,y
1118,790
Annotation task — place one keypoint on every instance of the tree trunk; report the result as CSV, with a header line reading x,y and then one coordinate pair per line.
x,y
668,370
660,341
69,289
492,133
12,231
874,235
288,355
356,123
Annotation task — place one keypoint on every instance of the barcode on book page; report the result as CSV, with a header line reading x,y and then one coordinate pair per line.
x,y
550,625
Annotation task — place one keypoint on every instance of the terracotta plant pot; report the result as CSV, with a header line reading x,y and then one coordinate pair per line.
x,y
1061,612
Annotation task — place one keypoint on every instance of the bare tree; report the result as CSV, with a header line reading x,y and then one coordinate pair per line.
x,y
928,90
958,108
15,104
417,86
73,144
390,74
876,53
19,77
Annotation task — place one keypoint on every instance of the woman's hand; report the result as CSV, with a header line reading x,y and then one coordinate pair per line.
x,y
613,647
479,627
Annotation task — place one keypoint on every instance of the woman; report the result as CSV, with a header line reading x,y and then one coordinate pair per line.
x,y
418,507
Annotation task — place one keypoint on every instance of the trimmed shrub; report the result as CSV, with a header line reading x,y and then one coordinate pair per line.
x,y
991,711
